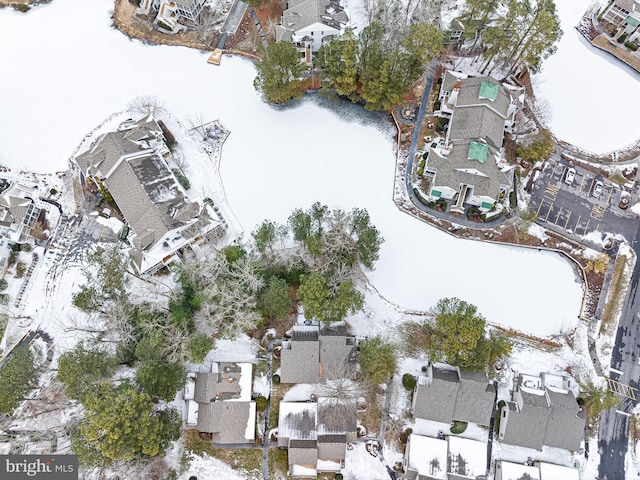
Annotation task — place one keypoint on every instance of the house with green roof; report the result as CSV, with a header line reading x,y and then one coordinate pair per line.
x,y
468,166
623,14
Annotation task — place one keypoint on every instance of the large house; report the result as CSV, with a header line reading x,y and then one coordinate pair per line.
x,y
130,164
446,393
171,11
20,209
313,353
468,164
308,24
624,14
219,402
316,435
543,412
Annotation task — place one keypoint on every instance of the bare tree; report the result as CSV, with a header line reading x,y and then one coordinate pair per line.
x,y
205,23
270,30
147,105
198,126
229,292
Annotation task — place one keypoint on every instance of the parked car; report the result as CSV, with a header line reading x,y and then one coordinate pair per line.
x,y
597,189
571,174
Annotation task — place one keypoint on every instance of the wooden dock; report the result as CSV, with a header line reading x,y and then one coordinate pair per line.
x,y
215,57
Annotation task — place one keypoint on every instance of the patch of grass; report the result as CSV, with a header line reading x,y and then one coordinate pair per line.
x,y
4,318
182,179
616,293
458,427
618,178
409,382
247,459
277,393
278,463
372,416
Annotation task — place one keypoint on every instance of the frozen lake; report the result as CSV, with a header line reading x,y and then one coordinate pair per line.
x,y
56,90
579,82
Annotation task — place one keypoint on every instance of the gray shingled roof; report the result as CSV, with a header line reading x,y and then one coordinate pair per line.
x,y
302,13
553,419
109,148
451,171
141,184
227,421
337,352
448,81
527,427
566,422
283,35
475,399
475,122
470,95
299,358
437,401
218,386
335,451
303,455
336,417
312,354
626,4
187,3
148,196
467,397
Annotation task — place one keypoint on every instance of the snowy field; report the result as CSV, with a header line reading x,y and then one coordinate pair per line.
x,y
572,82
274,160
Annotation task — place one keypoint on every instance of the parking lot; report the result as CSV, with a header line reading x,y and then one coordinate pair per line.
x,y
573,207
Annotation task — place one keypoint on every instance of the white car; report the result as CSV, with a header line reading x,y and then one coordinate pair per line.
x,y
571,174
597,189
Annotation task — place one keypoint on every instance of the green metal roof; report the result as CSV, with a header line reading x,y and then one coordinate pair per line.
x,y
632,21
436,193
486,205
478,151
489,90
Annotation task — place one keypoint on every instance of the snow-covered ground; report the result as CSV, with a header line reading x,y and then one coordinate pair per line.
x,y
572,82
274,160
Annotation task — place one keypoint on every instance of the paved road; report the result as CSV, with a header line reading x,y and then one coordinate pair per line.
x,y
613,430
234,17
573,208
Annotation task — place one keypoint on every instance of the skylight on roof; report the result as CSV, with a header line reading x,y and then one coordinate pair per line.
x,y
489,90
478,151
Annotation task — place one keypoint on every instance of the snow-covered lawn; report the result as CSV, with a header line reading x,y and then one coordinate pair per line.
x,y
274,160
574,81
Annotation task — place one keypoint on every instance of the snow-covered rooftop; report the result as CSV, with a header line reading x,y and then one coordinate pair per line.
x,y
467,458
427,456
549,471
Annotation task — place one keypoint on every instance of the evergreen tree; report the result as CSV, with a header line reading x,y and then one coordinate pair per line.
x,y
161,379
122,424
326,304
16,378
377,360
279,73
81,369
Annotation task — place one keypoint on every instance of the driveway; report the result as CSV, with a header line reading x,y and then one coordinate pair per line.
x,y
573,208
